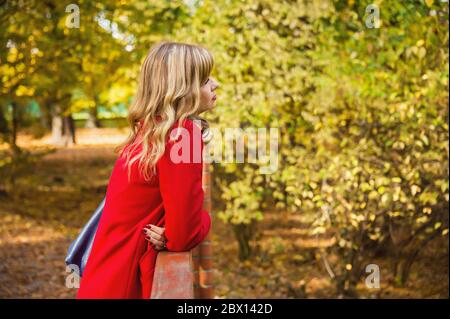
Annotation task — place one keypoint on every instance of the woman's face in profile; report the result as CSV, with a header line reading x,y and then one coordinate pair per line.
x,y
207,95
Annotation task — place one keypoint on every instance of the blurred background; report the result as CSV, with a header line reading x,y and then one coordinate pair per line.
x,y
358,90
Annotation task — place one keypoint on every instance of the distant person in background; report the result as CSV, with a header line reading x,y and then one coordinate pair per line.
x,y
154,201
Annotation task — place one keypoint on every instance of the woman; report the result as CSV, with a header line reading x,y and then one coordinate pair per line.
x,y
149,185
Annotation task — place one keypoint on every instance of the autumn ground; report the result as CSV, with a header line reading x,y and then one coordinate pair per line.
x,y
58,193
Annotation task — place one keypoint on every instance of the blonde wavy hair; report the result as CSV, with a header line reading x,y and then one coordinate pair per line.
x,y
169,88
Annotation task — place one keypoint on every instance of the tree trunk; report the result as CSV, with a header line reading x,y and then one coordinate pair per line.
x,y
63,129
14,129
346,281
406,269
4,129
243,233
92,121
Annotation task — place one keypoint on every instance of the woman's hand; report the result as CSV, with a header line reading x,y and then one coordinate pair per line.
x,y
155,235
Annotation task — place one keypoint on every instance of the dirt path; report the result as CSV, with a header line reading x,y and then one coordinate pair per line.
x,y
39,221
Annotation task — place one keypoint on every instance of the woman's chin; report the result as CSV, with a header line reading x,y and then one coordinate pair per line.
x,y
209,108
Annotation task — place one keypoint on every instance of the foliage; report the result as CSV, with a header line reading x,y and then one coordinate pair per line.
x,y
362,114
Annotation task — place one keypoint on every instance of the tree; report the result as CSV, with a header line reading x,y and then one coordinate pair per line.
x,y
382,131
17,65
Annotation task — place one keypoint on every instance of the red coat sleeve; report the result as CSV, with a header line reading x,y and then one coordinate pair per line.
x,y
186,223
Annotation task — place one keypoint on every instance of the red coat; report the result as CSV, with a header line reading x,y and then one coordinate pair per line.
x,y
121,263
